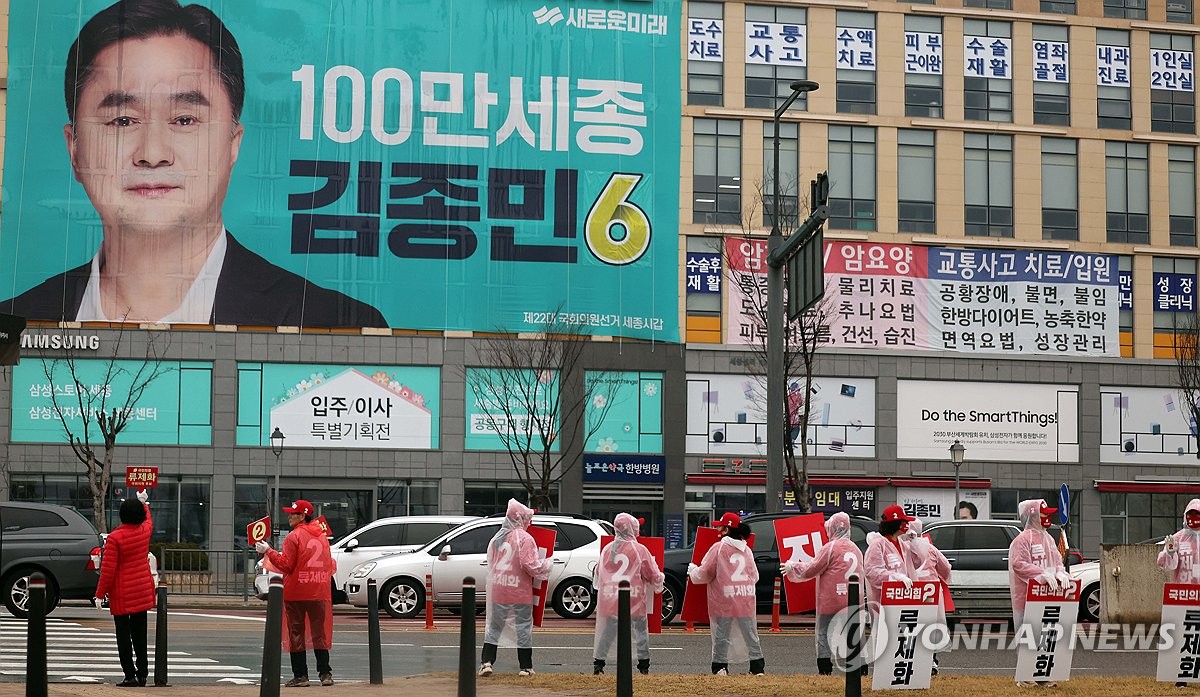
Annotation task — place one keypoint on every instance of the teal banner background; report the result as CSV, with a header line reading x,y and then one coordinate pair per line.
x,y
633,420
175,409
587,73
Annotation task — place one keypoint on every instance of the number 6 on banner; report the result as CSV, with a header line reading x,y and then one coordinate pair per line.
x,y
612,208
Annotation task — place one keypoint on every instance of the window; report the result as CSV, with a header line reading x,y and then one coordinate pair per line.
x,y
767,85
855,62
789,173
923,88
706,49
1060,189
1125,9
382,536
1051,83
917,181
1169,305
473,541
574,535
1128,192
422,533
406,497
1129,518
988,98
945,537
23,518
988,176
852,177
1061,7
1179,11
717,171
486,498
989,4
1181,185
1172,107
985,537
1113,108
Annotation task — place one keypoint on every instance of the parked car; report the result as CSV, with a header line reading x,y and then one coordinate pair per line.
x,y
978,554
55,540
379,538
1088,575
463,552
766,557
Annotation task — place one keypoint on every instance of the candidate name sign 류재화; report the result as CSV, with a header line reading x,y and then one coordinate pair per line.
x,y
903,653
1045,638
1179,654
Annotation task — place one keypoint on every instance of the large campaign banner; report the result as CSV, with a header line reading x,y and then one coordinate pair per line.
x,y
726,415
174,409
301,162
332,406
1014,301
1146,425
1005,422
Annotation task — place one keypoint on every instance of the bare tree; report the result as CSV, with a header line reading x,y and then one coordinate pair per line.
x,y
529,393
803,339
1187,365
93,416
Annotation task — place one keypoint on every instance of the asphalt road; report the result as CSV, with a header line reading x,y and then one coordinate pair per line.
x,y
207,646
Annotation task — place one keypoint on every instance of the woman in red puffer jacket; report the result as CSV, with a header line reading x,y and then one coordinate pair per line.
x,y
125,578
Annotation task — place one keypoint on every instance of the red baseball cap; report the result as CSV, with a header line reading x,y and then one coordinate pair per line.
x,y
895,512
731,520
1044,510
299,506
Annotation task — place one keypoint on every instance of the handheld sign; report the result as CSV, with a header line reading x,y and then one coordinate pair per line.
x,y
904,661
258,531
695,596
141,477
320,520
656,547
544,538
1045,636
1179,654
799,538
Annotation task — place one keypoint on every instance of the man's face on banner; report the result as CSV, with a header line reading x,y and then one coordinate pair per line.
x,y
154,140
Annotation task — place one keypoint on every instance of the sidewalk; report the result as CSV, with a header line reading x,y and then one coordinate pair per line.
x,y
424,685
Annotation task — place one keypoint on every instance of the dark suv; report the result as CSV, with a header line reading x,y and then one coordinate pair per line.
x,y
766,558
55,540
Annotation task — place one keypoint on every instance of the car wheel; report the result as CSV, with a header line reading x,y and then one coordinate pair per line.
x,y
402,598
16,593
672,601
574,599
1089,604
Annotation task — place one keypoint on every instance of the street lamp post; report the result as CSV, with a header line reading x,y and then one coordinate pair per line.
x,y
956,456
775,323
277,448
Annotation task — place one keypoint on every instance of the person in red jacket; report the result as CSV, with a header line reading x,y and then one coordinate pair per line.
x,y
125,578
307,567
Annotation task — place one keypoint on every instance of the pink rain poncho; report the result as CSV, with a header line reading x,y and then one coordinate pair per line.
x,y
625,559
729,573
1033,555
931,565
884,561
832,567
1181,553
514,564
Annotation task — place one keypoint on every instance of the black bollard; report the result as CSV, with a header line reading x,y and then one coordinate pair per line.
x,y
35,640
624,643
466,640
374,648
160,639
854,636
272,636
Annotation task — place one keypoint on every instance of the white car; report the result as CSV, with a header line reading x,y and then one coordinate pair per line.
x,y
382,537
1088,575
463,552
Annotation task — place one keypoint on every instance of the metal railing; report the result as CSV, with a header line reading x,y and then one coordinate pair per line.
x,y
208,571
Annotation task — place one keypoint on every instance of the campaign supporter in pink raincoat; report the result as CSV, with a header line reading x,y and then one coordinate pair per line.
x,y
931,565
831,567
1033,555
730,574
514,565
1181,551
625,559
888,557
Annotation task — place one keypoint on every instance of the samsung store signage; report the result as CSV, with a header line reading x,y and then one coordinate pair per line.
x,y
78,342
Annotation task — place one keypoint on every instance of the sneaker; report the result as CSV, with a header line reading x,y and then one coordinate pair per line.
x,y
1181,685
721,672
1026,683
525,672
326,679
1049,683
485,669
301,681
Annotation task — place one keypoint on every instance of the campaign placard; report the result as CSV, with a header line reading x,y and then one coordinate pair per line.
x,y
258,531
1179,654
141,477
656,546
1045,635
799,538
695,596
544,538
904,662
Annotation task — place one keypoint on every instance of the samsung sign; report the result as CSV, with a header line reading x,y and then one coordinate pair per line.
x,y
86,342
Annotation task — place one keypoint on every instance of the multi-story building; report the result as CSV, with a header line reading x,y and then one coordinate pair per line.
x,y
1011,247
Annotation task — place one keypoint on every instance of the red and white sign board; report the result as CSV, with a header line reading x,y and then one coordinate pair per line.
x,y
141,477
695,597
799,538
1045,636
656,547
320,520
544,538
1179,653
258,531
905,661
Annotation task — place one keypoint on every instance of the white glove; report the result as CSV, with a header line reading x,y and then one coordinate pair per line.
x,y
261,547
692,571
1170,547
920,546
143,495
1047,577
790,568
902,579
1063,578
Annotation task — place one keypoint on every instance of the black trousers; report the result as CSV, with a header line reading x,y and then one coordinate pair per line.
x,y
300,664
131,641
